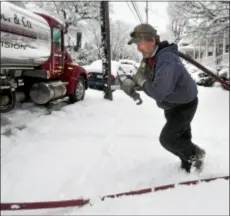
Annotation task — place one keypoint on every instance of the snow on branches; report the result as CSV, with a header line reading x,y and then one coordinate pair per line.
x,y
199,19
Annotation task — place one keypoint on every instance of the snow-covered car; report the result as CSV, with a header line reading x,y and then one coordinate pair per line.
x,y
129,66
95,74
224,72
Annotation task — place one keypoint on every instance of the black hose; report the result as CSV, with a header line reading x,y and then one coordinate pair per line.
x,y
201,67
10,106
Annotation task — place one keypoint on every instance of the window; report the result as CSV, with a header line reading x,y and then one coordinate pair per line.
x,y
56,35
184,44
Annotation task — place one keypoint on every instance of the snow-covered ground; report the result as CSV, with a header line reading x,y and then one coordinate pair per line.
x,y
98,147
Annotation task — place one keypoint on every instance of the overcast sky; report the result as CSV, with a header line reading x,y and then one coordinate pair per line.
x,y
158,16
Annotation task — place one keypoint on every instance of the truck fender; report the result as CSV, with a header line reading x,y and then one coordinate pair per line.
x,y
74,72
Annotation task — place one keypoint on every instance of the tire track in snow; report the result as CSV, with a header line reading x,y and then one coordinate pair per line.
x,y
96,103
92,170
107,148
25,151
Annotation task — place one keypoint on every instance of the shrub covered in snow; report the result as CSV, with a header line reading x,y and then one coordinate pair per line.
x,y
224,73
203,79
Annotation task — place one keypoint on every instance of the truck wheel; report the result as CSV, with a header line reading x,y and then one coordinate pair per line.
x,y
79,93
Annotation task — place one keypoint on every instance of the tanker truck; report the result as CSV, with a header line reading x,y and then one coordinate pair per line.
x,y
36,64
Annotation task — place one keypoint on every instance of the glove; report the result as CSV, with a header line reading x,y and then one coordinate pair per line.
x,y
128,86
140,77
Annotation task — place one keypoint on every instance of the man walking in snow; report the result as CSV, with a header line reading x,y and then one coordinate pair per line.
x,y
163,77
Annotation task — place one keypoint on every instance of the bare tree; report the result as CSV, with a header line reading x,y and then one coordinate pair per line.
x,y
119,36
71,12
200,19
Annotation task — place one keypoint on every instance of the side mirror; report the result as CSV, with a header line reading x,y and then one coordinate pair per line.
x,y
78,41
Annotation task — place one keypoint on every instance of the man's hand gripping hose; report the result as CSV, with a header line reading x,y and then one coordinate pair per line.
x,y
128,86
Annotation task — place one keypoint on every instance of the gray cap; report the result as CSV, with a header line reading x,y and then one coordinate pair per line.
x,y
142,32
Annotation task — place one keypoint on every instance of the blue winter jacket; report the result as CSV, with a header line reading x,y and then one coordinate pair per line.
x,y
172,84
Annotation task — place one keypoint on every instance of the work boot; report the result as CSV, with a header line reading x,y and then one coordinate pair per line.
x,y
186,166
198,159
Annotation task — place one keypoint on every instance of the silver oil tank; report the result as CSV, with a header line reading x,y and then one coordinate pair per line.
x,y
44,92
25,37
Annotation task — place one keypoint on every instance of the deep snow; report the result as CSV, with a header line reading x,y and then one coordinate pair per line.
x,y
98,147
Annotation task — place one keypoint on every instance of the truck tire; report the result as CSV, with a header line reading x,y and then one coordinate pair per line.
x,y
79,92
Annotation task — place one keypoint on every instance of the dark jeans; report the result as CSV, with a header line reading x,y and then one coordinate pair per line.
x,y
176,134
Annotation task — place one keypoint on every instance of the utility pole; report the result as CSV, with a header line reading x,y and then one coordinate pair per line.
x,y
146,11
105,48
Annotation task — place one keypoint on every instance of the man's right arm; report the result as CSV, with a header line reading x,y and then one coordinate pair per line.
x,y
166,76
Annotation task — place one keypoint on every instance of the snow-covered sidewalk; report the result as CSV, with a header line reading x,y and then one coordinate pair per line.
x,y
98,147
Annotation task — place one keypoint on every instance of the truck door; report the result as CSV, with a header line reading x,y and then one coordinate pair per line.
x,y
58,51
